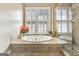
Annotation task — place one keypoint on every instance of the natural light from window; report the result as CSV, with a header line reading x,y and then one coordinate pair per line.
x,y
37,19
63,20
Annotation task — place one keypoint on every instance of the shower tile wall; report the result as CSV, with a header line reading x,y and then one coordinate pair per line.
x,y
75,26
75,29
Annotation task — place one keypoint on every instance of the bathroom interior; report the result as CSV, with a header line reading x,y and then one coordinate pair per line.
x,y
51,29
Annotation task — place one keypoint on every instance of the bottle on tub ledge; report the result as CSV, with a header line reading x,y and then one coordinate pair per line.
x,y
55,33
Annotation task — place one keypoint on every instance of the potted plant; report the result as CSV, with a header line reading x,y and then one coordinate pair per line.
x,y
24,30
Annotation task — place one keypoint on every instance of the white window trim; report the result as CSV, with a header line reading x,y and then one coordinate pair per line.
x,y
67,21
39,21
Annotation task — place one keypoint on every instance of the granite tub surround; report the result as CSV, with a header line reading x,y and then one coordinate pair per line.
x,y
37,54
36,49
52,47
53,40
75,23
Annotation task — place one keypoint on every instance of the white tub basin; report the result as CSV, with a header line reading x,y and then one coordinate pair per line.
x,y
36,38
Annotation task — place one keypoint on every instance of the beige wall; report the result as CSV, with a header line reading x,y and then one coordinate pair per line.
x,y
10,5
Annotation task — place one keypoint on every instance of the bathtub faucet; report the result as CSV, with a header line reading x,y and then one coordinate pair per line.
x,y
36,39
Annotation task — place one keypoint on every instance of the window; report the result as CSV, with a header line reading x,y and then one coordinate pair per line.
x,y
37,19
63,20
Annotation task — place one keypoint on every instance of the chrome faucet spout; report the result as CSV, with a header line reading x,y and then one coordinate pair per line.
x,y
35,39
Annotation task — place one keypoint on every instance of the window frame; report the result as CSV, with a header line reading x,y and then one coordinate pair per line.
x,y
48,21
67,21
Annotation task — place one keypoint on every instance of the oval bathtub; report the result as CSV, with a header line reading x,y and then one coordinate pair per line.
x,y
36,38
